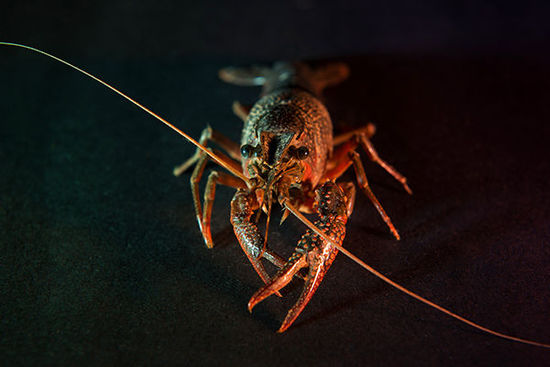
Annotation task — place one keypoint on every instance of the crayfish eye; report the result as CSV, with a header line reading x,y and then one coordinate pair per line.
x,y
302,153
246,150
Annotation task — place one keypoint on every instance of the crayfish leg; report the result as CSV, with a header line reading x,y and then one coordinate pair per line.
x,y
210,135
373,155
365,187
241,111
346,155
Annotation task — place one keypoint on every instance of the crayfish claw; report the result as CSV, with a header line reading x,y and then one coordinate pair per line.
x,y
283,277
319,263
311,252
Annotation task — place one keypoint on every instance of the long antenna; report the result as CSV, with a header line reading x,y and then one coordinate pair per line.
x,y
289,206
196,143
314,228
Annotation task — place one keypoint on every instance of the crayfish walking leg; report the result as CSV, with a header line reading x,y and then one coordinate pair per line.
x,y
333,207
346,155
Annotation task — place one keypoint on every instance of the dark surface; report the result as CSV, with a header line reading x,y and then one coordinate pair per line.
x,y
101,261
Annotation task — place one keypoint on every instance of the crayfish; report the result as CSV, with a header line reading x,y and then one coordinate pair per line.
x,y
288,154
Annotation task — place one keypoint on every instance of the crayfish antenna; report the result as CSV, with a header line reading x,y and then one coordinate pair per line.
x,y
286,212
379,275
214,157
266,227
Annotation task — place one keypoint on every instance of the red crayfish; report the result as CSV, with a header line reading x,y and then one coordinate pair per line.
x,y
287,154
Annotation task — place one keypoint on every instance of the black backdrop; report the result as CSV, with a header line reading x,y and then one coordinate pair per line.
x,y
101,261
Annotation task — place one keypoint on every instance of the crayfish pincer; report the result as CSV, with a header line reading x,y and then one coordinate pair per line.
x,y
312,251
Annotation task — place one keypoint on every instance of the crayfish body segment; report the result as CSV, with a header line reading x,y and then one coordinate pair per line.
x,y
288,154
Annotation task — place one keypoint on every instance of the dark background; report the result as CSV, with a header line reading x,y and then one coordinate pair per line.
x,y
101,261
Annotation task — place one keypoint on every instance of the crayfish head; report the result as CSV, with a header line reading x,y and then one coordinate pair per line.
x,y
277,165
